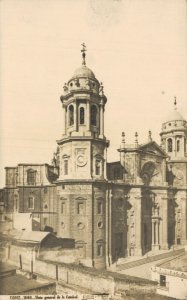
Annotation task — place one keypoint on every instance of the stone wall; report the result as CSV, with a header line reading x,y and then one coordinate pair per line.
x,y
89,278
60,255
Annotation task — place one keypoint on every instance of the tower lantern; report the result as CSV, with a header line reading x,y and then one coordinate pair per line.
x,y
83,138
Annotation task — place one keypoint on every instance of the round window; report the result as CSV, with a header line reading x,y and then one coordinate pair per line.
x,y
80,225
100,224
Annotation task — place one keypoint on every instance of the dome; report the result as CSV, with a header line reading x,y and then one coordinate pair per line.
x,y
174,116
84,71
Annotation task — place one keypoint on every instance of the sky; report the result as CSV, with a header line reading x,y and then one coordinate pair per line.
x,y
137,48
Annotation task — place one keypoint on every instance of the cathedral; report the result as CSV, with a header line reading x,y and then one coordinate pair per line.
x,y
111,210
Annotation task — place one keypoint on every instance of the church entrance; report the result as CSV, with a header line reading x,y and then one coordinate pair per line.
x,y
119,251
171,235
146,237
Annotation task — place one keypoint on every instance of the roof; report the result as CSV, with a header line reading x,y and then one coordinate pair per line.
x,y
84,71
177,264
154,145
174,115
33,236
151,147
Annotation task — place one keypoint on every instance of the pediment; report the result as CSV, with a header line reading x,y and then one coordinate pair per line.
x,y
154,148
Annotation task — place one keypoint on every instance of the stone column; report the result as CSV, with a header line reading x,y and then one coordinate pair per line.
x,y
105,163
101,119
108,228
63,120
158,225
75,117
182,141
138,225
156,232
88,116
184,221
174,145
164,244
153,234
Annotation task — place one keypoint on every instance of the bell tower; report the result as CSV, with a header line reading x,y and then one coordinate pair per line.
x,y
83,144
82,184
174,135
174,142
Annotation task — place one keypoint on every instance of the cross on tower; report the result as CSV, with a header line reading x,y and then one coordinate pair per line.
x,y
175,102
83,50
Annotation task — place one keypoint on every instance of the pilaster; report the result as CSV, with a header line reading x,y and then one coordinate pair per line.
x,y
164,229
108,228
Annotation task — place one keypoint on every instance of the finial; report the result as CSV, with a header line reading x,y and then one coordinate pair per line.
x,y
123,140
175,102
123,136
83,50
65,87
101,92
136,138
150,137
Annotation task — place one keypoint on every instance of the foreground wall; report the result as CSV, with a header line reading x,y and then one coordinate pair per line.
x,y
89,278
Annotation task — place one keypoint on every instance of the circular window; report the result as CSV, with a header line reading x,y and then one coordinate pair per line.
x,y
45,206
80,225
100,224
169,124
71,84
62,225
81,160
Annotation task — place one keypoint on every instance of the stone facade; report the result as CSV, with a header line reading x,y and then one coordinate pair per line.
x,y
125,208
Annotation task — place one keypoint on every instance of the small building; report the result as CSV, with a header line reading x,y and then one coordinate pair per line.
x,y
39,238
171,276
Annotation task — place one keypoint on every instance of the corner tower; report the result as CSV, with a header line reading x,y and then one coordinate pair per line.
x,y
82,184
174,142
83,144
174,135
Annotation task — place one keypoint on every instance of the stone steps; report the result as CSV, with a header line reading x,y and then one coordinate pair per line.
x,y
139,262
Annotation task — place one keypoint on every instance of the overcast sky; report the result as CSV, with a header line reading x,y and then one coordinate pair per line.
x,y
137,48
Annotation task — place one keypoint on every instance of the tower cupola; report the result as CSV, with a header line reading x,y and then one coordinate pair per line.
x,y
83,142
174,134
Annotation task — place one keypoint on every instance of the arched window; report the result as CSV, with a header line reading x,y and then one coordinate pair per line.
x,y
31,177
178,146
98,167
71,115
65,167
170,145
147,172
31,202
93,115
81,115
